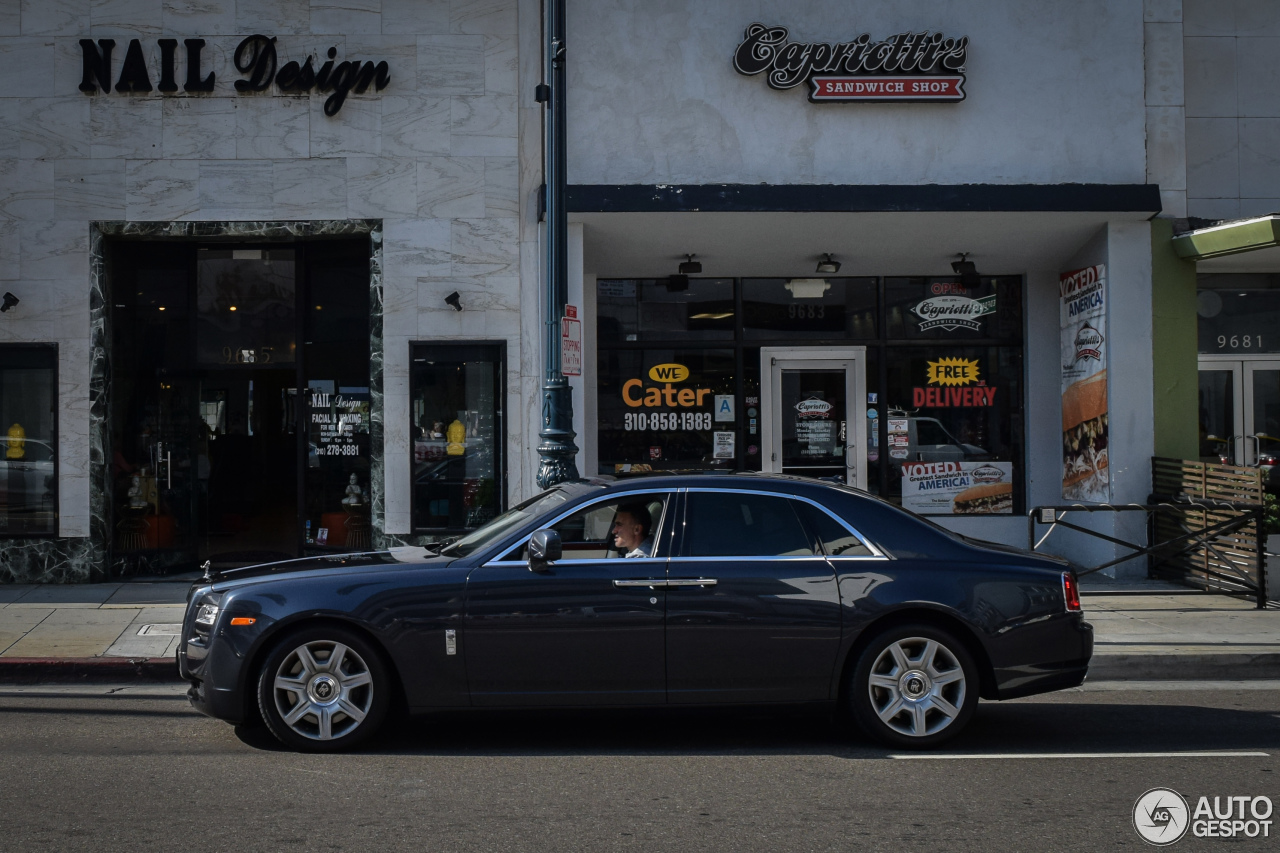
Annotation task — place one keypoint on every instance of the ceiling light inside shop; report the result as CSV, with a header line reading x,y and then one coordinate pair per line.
x,y
232,308
246,254
723,316
828,265
690,266
808,288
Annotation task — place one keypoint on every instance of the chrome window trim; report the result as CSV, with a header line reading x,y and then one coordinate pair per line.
x,y
633,561
876,553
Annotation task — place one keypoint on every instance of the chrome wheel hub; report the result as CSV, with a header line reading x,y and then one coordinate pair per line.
x,y
917,686
323,690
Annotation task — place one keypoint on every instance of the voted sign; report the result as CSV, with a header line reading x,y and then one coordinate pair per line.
x,y
571,342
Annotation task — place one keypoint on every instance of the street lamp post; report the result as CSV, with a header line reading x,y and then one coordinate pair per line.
x,y
556,449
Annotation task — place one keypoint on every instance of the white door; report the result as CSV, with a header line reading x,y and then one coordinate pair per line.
x,y
813,407
1239,415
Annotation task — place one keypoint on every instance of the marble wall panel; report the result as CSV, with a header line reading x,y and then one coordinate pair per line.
x,y
27,67
1213,158
483,127
28,189
55,249
273,128
346,16
127,18
311,189
355,131
55,17
501,64
487,17
451,65
10,117
451,187
382,187
415,16
436,319
10,19
1258,18
10,254
501,186
1209,17
1164,81
125,127
1213,208
485,246
52,310
161,189
1173,203
236,189
277,17
417,248
1167,148
89,189
1210,82
399,50
68,66
1259,72
1259,206
206,17
413,125
399,309
54,127
1260,158
1162,11
198,128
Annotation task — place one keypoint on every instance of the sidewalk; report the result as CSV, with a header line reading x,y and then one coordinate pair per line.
x,y
1144,630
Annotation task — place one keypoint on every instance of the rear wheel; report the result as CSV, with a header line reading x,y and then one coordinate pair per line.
x,y
323,689
914,686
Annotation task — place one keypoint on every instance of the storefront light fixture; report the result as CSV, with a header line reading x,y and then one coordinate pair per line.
x,y
10,301
828,265
808,288
966,270
690,266
454,301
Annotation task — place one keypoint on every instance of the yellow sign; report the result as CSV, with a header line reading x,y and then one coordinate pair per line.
x,y
953,371
668,373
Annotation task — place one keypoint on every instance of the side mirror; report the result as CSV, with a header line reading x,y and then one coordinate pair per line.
x,y
544,547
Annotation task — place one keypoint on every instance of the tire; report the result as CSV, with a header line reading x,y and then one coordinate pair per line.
x,y
314,705
914,686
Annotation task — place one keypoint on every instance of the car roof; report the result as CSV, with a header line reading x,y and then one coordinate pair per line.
x,y
736,481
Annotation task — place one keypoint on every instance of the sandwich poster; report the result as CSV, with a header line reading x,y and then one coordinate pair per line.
x,y
957,488
1086,474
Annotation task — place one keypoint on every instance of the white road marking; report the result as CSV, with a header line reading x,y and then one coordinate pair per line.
x,y
1003,755
1156,686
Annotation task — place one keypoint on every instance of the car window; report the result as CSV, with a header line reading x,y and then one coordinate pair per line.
x,y
740,524
834,537
588,533
508,521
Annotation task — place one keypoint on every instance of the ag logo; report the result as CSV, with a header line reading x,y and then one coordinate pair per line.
x,y
1161,816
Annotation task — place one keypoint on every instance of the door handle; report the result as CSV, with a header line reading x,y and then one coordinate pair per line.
x,y
672,583
661,583
651,583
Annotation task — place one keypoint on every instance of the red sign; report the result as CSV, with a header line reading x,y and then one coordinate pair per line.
x,y
970,397
868,88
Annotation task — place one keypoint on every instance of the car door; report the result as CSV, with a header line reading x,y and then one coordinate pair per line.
x,y
753,611
586,630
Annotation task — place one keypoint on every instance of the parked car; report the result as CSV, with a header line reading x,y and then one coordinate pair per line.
x,y
759,589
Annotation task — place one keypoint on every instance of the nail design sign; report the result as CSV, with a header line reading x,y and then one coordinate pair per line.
x,y
915,67
255,58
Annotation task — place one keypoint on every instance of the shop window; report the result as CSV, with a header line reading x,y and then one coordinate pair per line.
x,y
658,410
28,466
696,309
953,429
457,427
246,307
950,309
810,308
1238,314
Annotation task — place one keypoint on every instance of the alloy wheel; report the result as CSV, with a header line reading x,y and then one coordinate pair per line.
x,y
323,690
917,686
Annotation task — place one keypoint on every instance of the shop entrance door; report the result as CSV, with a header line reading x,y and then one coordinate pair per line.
x,y
1239,414
814,413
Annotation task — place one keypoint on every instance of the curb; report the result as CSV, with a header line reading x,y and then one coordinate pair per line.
x,y
88,670
1207,666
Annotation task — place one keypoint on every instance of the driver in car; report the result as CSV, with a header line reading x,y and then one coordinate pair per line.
x,y
631,525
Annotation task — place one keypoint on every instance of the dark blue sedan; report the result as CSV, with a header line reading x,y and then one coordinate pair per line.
x,y
660,592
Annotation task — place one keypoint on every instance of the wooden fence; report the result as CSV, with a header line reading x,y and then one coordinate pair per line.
x,y
1232,560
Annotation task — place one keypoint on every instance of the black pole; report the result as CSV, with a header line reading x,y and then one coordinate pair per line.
x,y
557,450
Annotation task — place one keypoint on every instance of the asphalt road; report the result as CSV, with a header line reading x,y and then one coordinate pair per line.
x,y
138,770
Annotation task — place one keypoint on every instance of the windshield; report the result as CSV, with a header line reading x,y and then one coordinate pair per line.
x,y
511,519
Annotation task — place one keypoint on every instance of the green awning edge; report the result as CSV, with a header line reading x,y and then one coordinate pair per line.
x,y
1229,239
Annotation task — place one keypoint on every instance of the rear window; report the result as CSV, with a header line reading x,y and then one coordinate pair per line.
x,y
738,524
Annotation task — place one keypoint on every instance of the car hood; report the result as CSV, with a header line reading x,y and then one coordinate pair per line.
x,y
408,555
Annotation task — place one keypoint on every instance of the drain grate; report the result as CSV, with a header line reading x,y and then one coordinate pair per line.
x,y
161,629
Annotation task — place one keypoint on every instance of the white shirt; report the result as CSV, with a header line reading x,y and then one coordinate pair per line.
x,y
644,549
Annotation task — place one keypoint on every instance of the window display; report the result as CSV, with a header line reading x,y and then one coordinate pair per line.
x,y
457,407
28,418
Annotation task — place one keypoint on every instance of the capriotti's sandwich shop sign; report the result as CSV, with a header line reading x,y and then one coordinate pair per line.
x,y
914,67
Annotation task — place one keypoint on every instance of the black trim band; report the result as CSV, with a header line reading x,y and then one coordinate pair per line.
x,y
862,198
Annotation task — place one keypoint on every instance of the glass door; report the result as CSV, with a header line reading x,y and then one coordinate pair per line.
x,y
814,413
1262,412
1239,415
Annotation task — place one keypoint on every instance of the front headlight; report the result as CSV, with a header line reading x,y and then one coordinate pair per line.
x,y
207,614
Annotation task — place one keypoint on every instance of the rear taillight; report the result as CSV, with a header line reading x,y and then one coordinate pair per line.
x,y
1071,591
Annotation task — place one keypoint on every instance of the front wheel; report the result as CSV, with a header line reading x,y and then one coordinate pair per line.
x,y
323,689
914,686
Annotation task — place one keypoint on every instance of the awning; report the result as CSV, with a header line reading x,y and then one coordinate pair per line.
x,y
1246,245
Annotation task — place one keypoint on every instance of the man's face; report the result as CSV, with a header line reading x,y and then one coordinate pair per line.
x,y
627,532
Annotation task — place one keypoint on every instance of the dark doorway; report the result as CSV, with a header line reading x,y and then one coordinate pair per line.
x,y
213,452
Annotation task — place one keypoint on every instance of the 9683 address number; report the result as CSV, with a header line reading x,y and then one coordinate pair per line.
x,y
666,420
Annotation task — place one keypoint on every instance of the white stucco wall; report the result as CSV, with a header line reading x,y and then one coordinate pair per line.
x,y
1055,94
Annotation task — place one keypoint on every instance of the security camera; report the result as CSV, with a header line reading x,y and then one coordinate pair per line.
x,y
9,302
